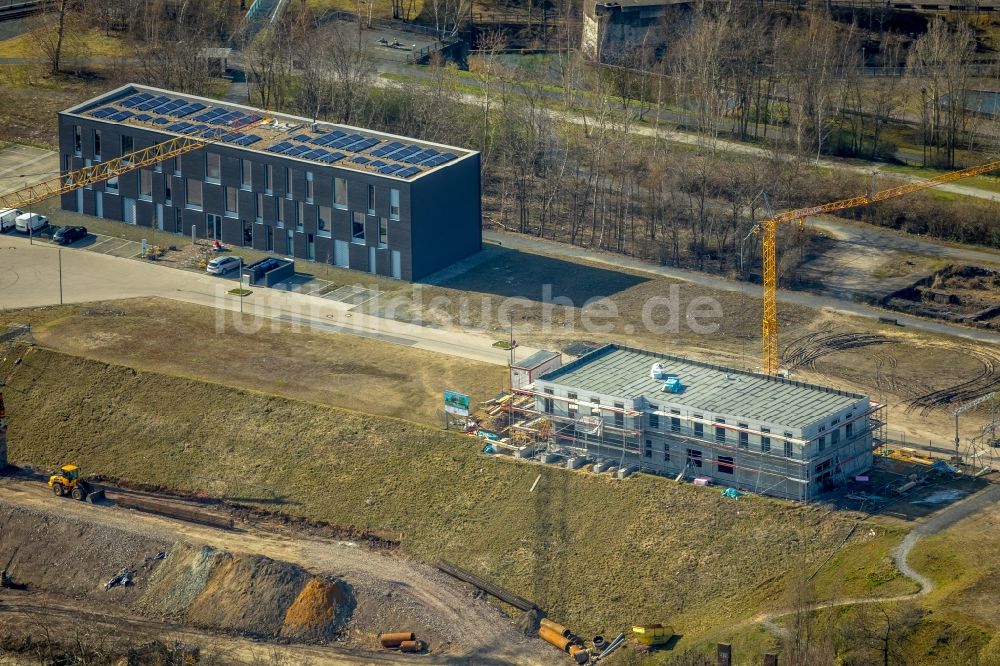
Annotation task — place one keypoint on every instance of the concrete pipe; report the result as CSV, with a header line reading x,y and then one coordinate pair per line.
x,y
599,642
395,639
412,646
553,637
558,628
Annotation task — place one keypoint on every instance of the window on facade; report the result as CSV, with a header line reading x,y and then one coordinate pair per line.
x,y
111,186
619,415
720,433
699,429
300,216
340,193
145,184
383,232
394,204
213,168
231,202
849,428
175,165
246,174
128,145
822,442
324,219
309,187
654,419
97,144
268,179
78,140
694,457
371,199
358,229
666,453
547,404
744,436
675,421
765,441
279,216
725,465
166,190
835,437
258,212
288,183
595,406
788,445
194,193
648,451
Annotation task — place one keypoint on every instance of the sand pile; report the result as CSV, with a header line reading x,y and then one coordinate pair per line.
x,y
319,611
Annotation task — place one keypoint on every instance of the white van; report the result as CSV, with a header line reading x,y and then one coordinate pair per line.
x,y
30,222
7,218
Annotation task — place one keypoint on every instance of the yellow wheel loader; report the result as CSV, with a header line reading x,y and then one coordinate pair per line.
x,y
67,481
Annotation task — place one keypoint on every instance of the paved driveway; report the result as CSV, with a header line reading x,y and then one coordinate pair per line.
x,y
21,166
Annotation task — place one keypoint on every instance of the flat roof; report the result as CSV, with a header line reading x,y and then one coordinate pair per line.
x,y
624,372
281,134
539,357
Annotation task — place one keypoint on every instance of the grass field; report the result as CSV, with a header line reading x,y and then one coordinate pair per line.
x,y
596,553
342,370
91,41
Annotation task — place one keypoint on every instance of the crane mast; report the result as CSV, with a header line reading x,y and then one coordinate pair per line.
x,y
768,229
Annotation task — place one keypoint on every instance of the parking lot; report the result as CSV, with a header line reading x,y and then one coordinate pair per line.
x,y
301,283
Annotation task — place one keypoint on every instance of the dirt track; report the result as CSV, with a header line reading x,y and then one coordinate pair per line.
x,y
392,592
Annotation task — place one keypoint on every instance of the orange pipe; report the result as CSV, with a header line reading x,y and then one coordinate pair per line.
x,y
553,637
412,646
394,639
579,654
554,626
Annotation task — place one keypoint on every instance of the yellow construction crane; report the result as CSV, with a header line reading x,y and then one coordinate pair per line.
x,y
137,159
768,227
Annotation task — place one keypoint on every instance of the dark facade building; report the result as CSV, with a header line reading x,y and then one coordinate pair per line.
x,y
351,197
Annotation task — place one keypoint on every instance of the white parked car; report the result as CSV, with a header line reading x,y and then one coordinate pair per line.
x,y
8,218
222,265
30,222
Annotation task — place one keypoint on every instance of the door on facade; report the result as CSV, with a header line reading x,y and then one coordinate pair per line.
x,y
310,248
269,239
371,260
128,210
178,221
341,254
99,203
159,216
397,265
214,226
290,245
247,233
79,201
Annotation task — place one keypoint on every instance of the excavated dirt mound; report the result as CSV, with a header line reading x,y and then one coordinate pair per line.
x,y
319,610
249,594
74,558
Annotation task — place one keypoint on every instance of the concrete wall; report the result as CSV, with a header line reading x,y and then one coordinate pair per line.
x,y
448,203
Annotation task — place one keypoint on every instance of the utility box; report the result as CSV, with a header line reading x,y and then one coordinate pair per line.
x,y
269,272
652,634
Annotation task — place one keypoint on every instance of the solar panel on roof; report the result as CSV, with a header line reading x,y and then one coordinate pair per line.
x,y
179,127
366,144
360,159
313,154
385,150
248,139
232,136
188,109
302,137
353,140
407,172
168,106
120,116
161,121
143,117
136,99
332,157
328,138
104,113
227,118
417,158
279,147
246,120
209,115
378,163
390,168
402,152
346,141
152,104
297,150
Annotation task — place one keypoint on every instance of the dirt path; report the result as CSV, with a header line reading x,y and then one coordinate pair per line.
x,y
900,557
387,586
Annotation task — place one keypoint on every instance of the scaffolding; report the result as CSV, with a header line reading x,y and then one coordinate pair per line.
x,y
603,432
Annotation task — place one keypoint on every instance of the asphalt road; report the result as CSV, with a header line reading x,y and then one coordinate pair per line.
x,y
30,277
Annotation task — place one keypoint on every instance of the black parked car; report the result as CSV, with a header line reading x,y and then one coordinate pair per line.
x,y
67,235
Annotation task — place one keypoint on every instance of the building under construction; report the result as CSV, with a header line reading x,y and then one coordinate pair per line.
x,y
673,416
